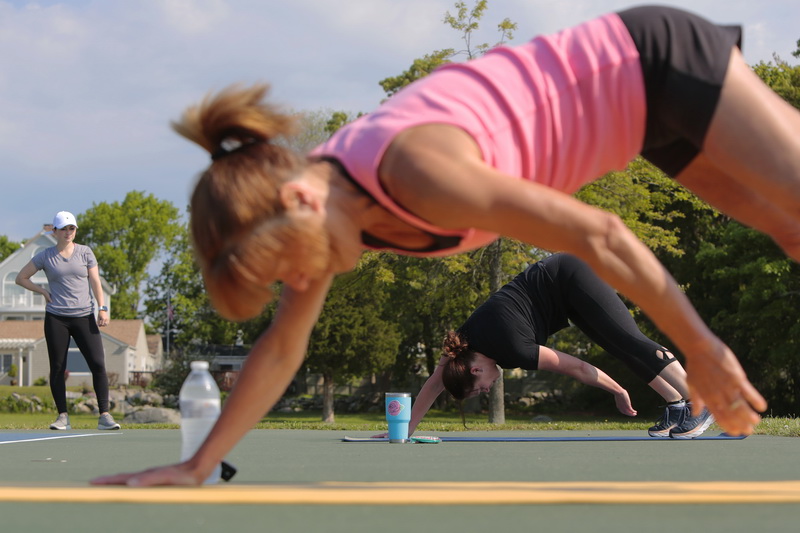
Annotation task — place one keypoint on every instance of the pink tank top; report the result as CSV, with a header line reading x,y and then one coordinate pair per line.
x,y
560,110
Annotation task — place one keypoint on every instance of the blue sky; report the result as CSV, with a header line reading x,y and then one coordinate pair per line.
x,y
88,87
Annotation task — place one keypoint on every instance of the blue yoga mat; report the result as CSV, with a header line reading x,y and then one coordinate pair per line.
x,y
587,438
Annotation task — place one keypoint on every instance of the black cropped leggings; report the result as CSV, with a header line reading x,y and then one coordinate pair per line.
x,y
596,309
57,332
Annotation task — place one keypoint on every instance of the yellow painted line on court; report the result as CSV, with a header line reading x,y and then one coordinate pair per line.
x,y
424,493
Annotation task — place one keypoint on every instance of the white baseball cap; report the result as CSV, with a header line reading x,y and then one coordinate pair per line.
x,y
64,218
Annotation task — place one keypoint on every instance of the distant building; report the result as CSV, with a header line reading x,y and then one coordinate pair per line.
x,y
131,356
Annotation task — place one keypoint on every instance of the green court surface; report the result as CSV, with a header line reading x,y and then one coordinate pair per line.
x,y
292,480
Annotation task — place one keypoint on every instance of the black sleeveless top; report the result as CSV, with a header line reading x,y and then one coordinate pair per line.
x,y
511,325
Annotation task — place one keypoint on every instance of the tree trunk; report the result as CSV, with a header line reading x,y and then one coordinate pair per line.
x,y
327,398
497,404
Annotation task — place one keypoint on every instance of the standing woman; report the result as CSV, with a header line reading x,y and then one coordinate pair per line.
x,y
71,271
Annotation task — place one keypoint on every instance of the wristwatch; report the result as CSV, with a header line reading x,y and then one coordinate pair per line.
x,y
103,308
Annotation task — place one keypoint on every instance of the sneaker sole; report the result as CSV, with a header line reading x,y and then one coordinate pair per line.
x,y
661,433
109,428
61,429
696,432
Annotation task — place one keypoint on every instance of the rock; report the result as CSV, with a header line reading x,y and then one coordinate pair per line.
x,y
81,407
116,397
153,415
145,398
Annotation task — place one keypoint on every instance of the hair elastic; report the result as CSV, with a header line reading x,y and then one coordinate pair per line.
x,y
231,145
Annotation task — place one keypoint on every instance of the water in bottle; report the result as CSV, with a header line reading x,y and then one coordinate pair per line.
x,y
200,407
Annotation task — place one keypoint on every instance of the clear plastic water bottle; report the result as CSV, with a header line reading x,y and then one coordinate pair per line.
x,y
200,407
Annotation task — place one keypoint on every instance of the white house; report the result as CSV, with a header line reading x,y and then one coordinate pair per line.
x,y
130,354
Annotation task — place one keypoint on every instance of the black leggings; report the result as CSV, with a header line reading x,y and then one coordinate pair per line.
x,y
596,309
57,332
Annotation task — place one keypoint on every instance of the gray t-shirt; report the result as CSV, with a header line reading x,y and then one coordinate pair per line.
x,y
68,279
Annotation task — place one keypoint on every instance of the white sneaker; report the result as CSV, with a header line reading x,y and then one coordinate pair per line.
x,y
106,421
61,423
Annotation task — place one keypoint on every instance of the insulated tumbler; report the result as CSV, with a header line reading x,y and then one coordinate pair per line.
x,y
398,414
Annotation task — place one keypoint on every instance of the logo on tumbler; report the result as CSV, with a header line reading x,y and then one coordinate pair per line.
x,y
394,408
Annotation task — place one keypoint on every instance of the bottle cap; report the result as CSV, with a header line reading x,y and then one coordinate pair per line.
x,y
199,365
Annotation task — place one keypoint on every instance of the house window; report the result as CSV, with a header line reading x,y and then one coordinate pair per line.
x,y
13,294
6,360
16,296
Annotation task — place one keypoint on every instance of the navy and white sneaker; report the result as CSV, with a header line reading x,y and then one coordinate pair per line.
x,y
674,415
692,426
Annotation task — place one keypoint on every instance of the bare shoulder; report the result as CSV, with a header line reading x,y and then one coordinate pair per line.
x,y
429,167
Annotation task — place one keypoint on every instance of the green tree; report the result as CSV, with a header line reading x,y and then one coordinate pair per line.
x,y
782,78
467,21
7,247
750,292
126,238
336,120
352,338
644,198
419,69
177,304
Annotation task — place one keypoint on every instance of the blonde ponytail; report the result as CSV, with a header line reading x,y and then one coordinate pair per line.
x,y
238,223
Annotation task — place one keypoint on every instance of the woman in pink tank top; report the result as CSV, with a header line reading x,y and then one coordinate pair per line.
x,y
491,147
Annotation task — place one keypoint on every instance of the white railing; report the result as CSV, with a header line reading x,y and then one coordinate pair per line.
x,y
23,300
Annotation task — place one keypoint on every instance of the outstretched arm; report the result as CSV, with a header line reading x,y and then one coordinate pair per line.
x,y
268,370
562,363
431,390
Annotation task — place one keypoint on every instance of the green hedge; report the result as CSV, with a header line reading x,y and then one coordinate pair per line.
x,y
9,404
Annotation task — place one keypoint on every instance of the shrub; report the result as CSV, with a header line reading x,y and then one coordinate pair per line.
x,y
16,403
169,380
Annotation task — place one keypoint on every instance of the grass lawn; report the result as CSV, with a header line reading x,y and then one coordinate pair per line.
x,y
435,421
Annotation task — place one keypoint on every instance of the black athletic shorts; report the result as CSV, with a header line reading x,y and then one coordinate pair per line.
x,y
684,60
